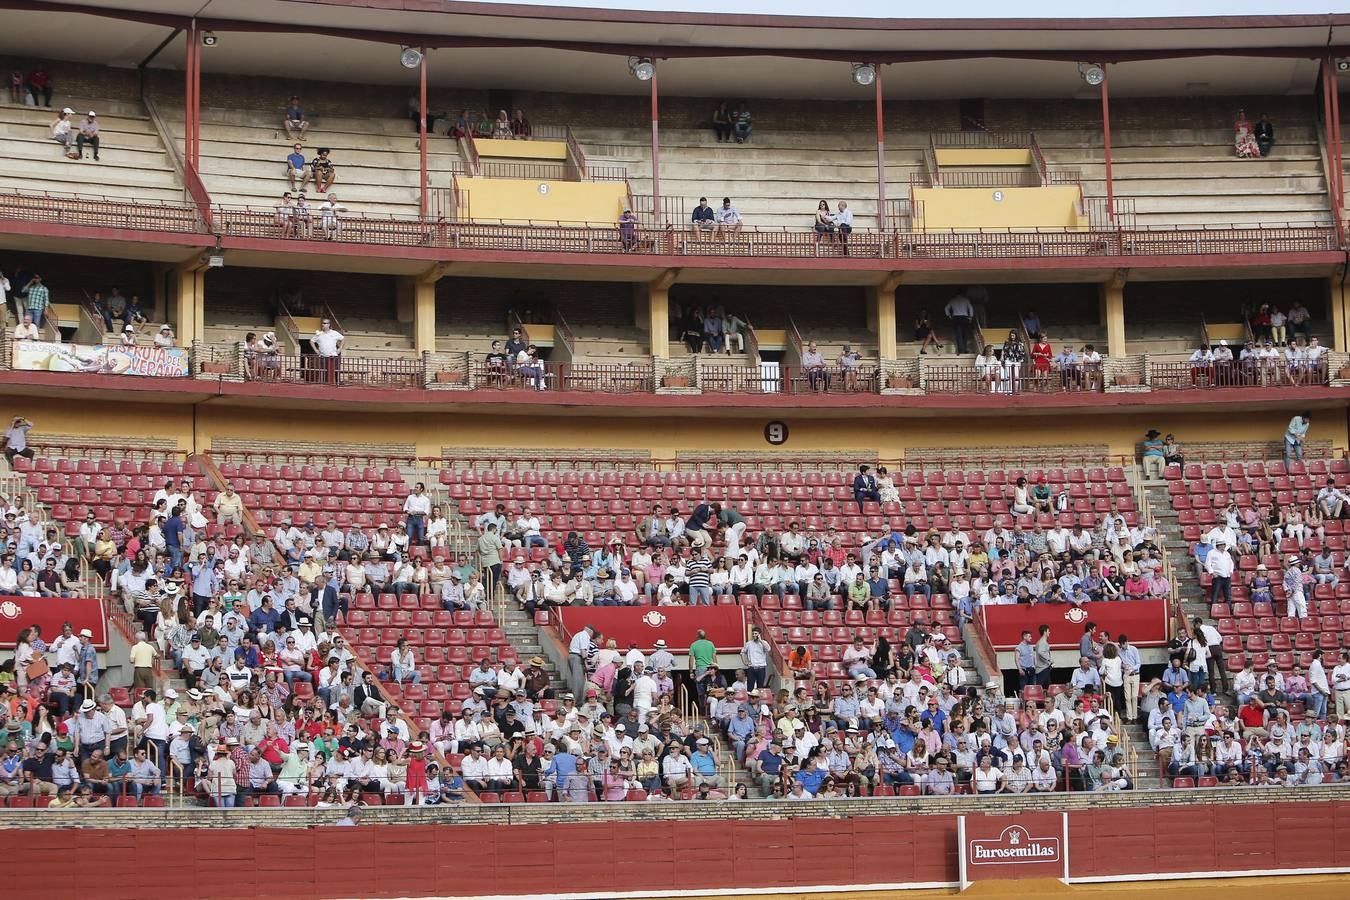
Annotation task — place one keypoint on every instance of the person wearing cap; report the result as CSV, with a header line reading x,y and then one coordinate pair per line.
x,y
88,135
90,730
1295,591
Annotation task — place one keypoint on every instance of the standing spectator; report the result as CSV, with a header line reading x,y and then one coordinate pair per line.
x,y
755,656
728,218
330,217
1219,564
417,508
1294,437
295,122
579,650
628,230
39,86
961,312
327,344
38,299
843,222
88,135
16,439
1298,318
1340,680
865,487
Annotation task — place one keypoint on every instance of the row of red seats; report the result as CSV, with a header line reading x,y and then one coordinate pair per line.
x,y
1055,475
1260,469
1245,610
331,474
52,461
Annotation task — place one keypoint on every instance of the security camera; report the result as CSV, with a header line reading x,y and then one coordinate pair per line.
x,y
209,39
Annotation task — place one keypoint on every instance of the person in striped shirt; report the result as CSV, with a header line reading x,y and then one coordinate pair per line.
x,y
698,571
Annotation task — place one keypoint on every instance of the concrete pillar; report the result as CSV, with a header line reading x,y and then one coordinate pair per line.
x,y
1339,315
424,315
658,312
881,314
658,319
189,303
1113,316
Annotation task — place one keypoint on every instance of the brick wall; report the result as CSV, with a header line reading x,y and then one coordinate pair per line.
x,y
767,306
236,289
632,110
69,277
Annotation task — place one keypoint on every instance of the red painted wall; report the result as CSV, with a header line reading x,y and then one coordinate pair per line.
x,y
440,860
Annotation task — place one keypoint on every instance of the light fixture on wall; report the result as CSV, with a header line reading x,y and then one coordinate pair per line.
x,y
864,74
1092,73
209,39
642,67
411,57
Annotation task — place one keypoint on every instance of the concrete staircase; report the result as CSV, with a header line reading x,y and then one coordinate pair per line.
x,y
134,163
1190,177
243,157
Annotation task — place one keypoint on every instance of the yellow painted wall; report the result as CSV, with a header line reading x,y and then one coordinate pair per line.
x,y
67,314
521,149
519,200
540,334
771,338
661,433
1039,207
989,157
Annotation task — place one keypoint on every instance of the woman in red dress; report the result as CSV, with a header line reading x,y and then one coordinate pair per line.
x,y
1041,354
416,787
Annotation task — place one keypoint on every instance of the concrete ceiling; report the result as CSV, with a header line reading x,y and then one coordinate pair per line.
x,y
113,42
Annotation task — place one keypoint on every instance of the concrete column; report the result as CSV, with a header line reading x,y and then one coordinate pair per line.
x,y
1113,317
189,303
424,315
658,319
881,314
1340,315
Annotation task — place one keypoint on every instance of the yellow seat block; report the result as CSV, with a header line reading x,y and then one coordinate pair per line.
x,y
487,147
940,209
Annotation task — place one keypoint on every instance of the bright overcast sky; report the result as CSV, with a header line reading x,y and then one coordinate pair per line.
x,y
973,8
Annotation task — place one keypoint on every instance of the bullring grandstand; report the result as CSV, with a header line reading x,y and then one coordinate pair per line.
x,y
450,446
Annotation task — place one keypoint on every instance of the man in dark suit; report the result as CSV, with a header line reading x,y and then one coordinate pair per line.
x,y
324,596
865,487
1265,135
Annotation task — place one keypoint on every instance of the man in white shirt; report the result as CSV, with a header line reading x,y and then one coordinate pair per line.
x,y
1340,680
644,691
327,344
578,650
417,508
530,530
1219,564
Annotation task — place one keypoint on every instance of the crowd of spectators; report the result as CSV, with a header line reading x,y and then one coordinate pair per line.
x,y
1261,362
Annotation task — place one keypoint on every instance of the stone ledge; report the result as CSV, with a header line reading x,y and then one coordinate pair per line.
x,y
550,813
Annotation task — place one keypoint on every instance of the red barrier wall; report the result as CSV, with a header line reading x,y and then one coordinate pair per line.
x,y
622,857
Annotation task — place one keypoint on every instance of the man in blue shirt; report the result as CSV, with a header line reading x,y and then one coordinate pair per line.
x,y
295,166
739,730
811,778
770,766
704,764
702,217
264,618
173,536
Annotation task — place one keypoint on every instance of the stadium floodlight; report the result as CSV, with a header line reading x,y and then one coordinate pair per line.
x,y
1092,73
642,67
864,74
411,57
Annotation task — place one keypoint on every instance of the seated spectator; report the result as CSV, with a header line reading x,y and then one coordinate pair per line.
x,y
824,223
817,373
62,133
39,85
848,367
728,219
322,172
501,127
1245,145
88,135
843,223
703,218
741,122
463,125
520,126
1265,135
721,123
26,330
295,167
294,121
